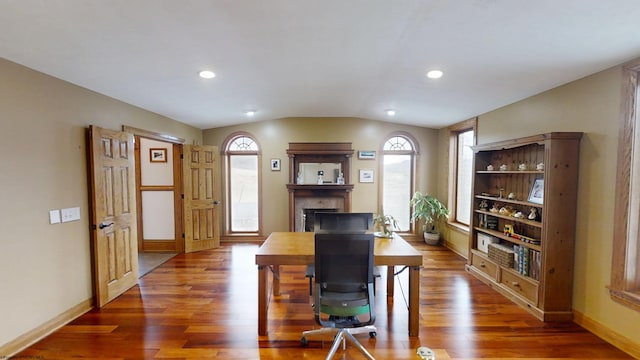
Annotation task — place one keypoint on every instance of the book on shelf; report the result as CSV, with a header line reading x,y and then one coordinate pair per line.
x,y
491,223
527,261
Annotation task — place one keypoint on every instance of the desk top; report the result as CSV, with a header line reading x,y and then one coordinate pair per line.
x,y
297,248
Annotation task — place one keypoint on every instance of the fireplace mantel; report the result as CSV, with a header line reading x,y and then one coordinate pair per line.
x,y
327,195
319,188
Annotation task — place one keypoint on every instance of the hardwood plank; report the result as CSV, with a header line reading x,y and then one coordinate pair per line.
x,y
204,305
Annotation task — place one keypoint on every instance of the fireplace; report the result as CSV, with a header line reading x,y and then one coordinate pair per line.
x,y
328,195
309,216
305,205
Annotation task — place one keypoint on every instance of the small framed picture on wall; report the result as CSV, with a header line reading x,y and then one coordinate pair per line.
x,y
366,155
275,164
366,175
158,155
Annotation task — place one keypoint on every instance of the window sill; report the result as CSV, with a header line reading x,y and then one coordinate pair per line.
x,y
459,227
626,298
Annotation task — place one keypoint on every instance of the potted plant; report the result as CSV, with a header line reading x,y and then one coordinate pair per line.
x,y
386,224
430,210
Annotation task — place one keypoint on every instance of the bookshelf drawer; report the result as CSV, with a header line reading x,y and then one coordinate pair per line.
x,y
521,286
484,265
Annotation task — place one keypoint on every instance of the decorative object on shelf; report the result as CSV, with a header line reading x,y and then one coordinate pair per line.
x,y
518,215
506,211
275,164
536,195
490,168
504,167
495,208
509,231
533,214
158,155
540,167
522,167
366,175
300,179
386,224
501,192
366,155
484,205
320,175
429,209
340,179
511,196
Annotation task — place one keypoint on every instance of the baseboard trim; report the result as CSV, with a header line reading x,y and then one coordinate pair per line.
x,y
29,338
607,334
452,246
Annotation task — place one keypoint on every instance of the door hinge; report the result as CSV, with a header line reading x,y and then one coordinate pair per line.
x,y
183,235
182,196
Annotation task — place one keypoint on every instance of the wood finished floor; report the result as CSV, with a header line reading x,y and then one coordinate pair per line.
x,y
204,305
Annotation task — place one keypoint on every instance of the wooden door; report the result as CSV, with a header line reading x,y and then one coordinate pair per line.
x,y
113,212
201,198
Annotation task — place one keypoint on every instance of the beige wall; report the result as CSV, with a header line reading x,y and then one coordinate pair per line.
x,y
274,137
46,269
591,105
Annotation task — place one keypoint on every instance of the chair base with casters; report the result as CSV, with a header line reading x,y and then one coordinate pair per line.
x,y
343,328
341,335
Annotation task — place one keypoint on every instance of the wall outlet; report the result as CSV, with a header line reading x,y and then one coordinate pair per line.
x,y
54,216
70,214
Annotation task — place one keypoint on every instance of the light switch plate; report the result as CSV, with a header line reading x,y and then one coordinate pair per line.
x,y
54,216
70,214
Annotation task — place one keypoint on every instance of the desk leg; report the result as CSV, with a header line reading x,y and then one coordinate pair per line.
x,y
414,300
276,280
263,297
390,282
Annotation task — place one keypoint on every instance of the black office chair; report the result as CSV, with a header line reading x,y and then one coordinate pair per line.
x,y
343,297
343,222
310,272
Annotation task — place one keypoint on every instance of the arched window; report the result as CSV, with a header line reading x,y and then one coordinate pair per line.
x,y
242,176
398,163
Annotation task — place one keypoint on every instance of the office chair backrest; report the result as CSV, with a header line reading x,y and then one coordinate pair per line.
x,y
344,261
344,222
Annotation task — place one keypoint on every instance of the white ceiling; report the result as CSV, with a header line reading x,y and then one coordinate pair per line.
x,y
319,58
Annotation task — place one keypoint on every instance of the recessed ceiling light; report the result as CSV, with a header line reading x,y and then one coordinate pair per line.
x,y
390,112
250,112
435,74
207,74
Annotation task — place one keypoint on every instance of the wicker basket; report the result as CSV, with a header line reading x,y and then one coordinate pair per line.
x,y
502,254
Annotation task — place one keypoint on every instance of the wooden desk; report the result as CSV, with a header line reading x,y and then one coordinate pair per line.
x,y
297,248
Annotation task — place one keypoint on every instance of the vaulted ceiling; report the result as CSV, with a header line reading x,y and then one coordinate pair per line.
x,y
319,58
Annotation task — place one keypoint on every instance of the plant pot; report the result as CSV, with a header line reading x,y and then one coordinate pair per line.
x,y
432,238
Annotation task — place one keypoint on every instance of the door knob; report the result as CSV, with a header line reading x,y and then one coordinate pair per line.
x,y
216,202
103,225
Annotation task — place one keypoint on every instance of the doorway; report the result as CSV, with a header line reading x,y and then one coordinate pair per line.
x,y
159,201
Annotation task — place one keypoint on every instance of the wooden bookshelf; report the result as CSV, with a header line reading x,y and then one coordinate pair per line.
x,y
541,277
